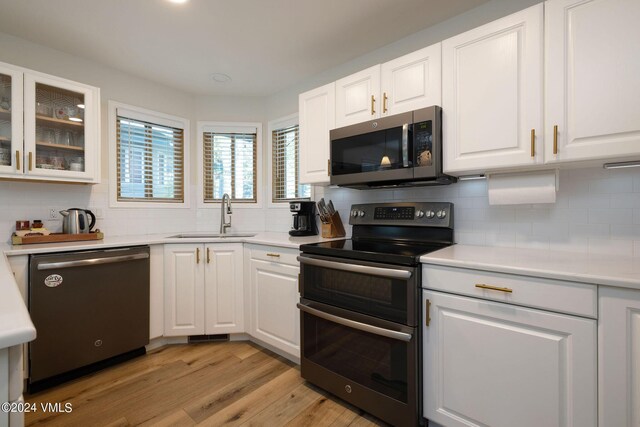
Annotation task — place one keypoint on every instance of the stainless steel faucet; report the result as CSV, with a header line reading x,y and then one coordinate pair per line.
x,y
223,224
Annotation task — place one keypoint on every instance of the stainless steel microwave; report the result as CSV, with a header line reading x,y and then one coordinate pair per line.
x,y
400,150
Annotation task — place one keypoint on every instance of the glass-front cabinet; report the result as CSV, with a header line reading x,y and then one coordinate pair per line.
x,y
10,120
49,127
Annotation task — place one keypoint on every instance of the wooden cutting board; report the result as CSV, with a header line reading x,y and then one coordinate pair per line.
x,y
56,238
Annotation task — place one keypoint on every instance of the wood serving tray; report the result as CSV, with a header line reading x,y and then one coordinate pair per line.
x,y
56,238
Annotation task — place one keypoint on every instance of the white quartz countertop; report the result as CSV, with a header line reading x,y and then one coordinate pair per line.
x,y
16,326
599,269
264,238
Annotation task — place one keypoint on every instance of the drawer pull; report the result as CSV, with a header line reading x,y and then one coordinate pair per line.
x,y
274,255
493,288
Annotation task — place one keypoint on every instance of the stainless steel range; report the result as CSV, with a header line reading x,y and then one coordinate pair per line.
x,y
360,307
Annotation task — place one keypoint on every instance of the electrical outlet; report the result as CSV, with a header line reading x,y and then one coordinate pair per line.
x,y
97,212
54,214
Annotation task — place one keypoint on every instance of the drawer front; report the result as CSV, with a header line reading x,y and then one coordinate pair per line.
x,y
547,294
276,254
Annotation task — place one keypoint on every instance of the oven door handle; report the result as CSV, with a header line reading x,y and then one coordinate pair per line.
x,y
396,335
356,268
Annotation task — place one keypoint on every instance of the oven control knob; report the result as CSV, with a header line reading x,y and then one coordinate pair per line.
x,y
441,214
419,214
354,213
430,214
360,214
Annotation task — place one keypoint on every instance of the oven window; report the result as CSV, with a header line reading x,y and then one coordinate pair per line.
x,y
376,362
373,295
374,151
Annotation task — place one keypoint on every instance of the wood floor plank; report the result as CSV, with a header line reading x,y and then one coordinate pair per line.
x,y
323,412
286,408
177,418
202,408
240,411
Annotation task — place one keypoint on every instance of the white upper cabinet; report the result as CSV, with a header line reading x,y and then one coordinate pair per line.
x,y
492,95
412,81
11,129
317,114
49,127
592,79
358,97
406,83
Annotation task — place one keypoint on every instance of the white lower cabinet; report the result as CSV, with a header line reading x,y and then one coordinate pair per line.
x,y
501,365
619,357
203,289
275,318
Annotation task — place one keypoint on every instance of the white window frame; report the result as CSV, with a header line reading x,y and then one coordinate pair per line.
x,y
152,117
281,123
207,126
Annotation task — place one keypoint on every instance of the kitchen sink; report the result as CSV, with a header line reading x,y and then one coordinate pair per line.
x,y
209,235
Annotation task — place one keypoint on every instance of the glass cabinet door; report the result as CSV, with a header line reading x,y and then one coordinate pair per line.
x,y
10,121
58,121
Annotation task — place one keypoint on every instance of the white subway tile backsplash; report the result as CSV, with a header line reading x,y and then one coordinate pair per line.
x,y
619,184
589,230
625,200
610,216
625,232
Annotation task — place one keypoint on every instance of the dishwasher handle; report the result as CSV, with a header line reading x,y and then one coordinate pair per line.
x,y
91,261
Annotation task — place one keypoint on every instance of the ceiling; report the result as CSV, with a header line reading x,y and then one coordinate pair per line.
x,y
264,46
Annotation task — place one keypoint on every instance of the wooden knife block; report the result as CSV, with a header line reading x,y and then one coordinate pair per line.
x,y
335,228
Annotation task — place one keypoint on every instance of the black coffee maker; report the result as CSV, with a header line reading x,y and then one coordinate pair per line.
x,y
304,218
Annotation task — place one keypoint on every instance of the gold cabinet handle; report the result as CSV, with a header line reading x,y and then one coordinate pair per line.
x,y
30,160
197,255
493,288
373,103
384,102
555,139
208,256
427,314
533,142
328,167
274,255
18,167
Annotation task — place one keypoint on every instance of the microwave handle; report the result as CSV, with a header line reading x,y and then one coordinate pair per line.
x,y
396,335
405,145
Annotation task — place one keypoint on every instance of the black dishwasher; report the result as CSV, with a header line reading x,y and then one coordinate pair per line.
x,y
90,310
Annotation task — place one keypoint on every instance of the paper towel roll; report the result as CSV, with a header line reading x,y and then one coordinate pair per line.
x,y
523,188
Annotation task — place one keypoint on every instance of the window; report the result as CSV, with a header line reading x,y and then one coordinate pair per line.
x,y
230,156
285,164
148,153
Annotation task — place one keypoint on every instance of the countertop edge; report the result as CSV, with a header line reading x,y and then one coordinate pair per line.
x,y
13,311
449,258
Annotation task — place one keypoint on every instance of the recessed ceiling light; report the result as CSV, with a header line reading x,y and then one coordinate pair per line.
x,y
220,78
178,1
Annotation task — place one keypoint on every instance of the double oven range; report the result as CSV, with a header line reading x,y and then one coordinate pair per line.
x,y
360,307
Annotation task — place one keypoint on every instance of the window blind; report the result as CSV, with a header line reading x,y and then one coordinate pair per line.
x,y
285,163
230,164
150,161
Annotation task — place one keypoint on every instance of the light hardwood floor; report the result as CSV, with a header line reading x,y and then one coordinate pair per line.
x,y
210,384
